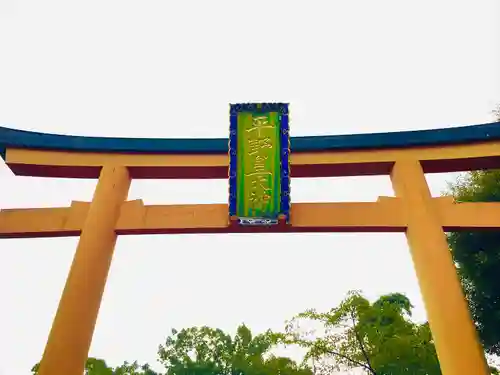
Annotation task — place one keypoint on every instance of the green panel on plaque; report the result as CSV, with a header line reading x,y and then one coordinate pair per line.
x,y
258,165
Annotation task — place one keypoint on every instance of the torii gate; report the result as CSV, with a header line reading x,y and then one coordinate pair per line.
x,y
405,156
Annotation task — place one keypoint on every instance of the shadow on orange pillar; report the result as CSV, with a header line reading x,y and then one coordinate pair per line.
x,y
454,334
71,334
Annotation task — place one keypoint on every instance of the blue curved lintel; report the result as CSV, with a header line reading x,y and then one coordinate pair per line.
x,y
435,137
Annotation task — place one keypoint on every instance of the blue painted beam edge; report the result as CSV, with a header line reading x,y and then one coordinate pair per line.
x,y
435,137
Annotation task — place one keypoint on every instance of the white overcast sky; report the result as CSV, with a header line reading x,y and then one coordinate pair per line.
x,y
170,69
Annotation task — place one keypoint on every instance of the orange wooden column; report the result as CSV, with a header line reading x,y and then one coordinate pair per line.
x,y
71,334
455,336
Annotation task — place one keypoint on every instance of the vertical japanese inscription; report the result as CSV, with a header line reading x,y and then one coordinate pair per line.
x,y
258,175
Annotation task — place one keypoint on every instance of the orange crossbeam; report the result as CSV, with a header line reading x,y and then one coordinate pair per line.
x,y
386,215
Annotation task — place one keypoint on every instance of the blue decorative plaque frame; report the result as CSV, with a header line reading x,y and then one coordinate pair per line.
x,y
282,110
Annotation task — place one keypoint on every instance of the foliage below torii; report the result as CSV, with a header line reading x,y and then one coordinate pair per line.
x,y
477,256
378,338
209,351
95,366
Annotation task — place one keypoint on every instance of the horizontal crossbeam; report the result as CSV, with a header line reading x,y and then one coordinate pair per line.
x,y
385,215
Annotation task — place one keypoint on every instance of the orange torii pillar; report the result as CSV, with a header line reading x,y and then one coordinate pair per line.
x,y
71,334
454,334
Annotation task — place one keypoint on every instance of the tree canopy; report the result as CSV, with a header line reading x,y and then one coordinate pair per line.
x,y
477,256
208,351
95,366
377,337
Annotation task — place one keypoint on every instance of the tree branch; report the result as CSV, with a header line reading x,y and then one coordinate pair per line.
x,y
366,367
362,347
